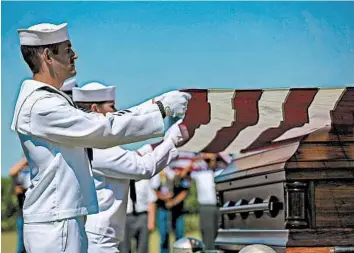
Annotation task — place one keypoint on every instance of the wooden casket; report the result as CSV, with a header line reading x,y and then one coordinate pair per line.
x,y
291,184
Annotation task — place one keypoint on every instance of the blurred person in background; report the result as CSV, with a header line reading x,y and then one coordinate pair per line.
x,y
171,187
140,217
206,193
20,175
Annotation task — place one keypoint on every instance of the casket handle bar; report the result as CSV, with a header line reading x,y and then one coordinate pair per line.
x,y
256,207
342,250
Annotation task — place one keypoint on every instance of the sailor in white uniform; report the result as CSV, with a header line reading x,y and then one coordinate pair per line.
x,y
56,138
114,167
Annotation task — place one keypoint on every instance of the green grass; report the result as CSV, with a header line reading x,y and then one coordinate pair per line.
x,y
9,241
154,241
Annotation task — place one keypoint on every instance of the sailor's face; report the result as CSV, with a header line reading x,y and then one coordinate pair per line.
x,y
106,107
64,61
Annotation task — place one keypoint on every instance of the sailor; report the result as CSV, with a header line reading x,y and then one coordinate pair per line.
x,y
56,138
113,169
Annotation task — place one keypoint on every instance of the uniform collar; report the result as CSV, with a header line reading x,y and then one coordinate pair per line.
x,y
27,88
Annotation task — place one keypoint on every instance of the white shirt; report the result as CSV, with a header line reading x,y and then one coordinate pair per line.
x,y
113,168
205,186
54,136
144,196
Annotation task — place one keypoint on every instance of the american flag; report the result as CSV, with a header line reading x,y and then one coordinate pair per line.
x,y
264,127
245,122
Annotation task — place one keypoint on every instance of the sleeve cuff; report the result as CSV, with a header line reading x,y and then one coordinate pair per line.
x,y
158,123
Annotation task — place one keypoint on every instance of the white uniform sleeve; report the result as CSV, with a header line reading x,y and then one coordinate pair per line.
x,y
146,107
53,119
124,164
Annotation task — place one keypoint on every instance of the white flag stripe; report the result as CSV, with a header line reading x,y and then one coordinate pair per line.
x,y
319,113
270,115
271,156
221,115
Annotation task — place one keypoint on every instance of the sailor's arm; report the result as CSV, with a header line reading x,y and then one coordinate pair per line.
x,y
168,100
146,107
130,165
53,119
143,164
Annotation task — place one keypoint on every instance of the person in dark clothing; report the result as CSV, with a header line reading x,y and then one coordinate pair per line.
x,y
171,190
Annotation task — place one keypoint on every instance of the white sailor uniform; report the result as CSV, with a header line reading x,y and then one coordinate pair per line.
x,y
55,136
113,168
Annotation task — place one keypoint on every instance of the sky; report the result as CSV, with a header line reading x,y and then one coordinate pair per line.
x,y
147,48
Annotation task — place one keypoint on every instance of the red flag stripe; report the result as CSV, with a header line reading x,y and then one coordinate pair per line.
x,y
245,106
221,113
198,111
270,114
295,114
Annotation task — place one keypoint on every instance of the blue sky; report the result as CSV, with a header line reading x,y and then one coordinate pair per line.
x,y
146,48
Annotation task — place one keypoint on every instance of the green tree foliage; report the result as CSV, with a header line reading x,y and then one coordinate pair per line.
x,y
191,202
9,206
191,206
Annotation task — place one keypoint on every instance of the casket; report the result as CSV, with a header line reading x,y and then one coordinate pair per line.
x,y
291,184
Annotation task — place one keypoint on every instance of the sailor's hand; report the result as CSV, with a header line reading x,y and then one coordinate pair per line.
x,y
178,133
162,96
174,102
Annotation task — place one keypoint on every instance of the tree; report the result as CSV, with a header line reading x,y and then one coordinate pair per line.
x,y
9,206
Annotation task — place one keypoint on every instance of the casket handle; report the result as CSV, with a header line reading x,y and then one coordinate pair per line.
x,y
257,206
